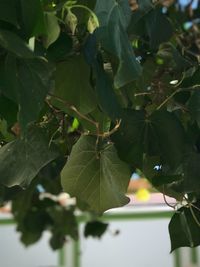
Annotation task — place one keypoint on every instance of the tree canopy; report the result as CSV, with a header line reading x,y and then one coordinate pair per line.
x,y
90,92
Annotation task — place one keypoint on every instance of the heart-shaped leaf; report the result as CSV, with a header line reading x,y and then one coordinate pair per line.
x,y
98,178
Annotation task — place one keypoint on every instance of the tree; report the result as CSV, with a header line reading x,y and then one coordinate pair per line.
x,y
91,91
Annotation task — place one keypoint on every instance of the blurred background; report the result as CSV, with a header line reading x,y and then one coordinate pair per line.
x,y
137,236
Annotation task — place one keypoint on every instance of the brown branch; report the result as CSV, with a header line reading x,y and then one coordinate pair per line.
x,y
73,108
96,124
195,87
165,200
167,203
143,94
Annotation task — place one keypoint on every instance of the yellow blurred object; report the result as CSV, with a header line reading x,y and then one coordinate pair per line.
x,y
143,195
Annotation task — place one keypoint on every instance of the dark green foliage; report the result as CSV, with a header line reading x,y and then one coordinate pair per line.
x,y
32,17
95,229
184,229
8,12
27,157
20,73
114,21
90,91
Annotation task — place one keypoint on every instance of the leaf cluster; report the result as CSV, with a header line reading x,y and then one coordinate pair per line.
x,y
90,91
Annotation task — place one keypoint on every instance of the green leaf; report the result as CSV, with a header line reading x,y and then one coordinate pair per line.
x,y
171,145
106,96
194,106
8,194
192,80
34,217
171,56
30,221
6,134
28,82
60,49
97,178
52,29
73,85
103,9
97,116
113,37
32,17
33,225
8,11
8,110
183,228
139,134
30,237
65,224
158,27
144,6
144,82
95,229
148,167
14,44
129,139
22,159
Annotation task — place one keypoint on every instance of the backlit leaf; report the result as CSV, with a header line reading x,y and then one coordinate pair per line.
x,y
52,29
73,85
98,180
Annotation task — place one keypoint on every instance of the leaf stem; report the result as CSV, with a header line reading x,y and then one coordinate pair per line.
x,y
165,200
95,123
168,98
73,108
197,86
143,94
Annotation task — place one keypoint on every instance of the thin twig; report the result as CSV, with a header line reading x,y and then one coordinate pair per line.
x,y
115,129
168,98
96,124
144,93
167,203
52,107
197,86
73,108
